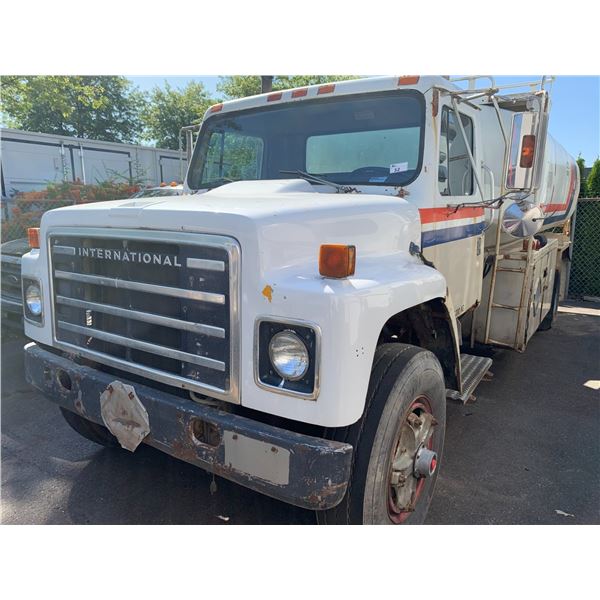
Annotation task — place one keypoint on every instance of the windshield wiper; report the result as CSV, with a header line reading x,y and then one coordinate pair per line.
x,y
344,189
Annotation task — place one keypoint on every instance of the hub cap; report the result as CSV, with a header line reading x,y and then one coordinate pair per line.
x,y
413,460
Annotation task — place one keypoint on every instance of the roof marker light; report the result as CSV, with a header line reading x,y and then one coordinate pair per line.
x,y
299,93
216,108
326,89
408,80
274,96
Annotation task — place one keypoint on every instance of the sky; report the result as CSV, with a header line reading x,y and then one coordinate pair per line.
x,y
574,117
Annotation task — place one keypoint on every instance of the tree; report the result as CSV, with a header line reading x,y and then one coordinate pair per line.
x,y
593,182
95,107
168,110
239,86
582,179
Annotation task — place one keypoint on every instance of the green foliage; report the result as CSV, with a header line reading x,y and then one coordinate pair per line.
x,y
171,109
239,86
582,179
30,206
593,182
95,107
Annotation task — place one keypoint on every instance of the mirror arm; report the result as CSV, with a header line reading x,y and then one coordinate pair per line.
x,y
467,146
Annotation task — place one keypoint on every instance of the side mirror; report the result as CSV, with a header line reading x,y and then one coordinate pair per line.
x,y
521,158
527,142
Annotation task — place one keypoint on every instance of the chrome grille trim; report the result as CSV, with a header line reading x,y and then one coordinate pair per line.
x,y
141,287
218,332
205,264
144,346
13,260
64,250
188,378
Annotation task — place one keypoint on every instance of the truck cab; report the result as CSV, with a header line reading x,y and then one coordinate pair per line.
x,y
295,323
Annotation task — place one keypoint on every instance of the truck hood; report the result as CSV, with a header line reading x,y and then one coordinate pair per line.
x,y
285,221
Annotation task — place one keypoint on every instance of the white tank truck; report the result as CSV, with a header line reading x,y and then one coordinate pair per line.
x,y
297,321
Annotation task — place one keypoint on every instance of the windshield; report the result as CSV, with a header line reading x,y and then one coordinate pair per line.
x,y
372,139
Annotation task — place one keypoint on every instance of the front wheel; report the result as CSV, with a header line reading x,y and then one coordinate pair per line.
x,y
398,442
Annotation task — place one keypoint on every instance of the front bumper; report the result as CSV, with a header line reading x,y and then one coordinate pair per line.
x,y
303,470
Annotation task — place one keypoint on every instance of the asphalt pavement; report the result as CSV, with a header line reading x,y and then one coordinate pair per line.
x,y
527,451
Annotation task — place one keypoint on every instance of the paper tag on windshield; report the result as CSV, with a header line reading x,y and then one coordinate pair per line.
x,y
399,167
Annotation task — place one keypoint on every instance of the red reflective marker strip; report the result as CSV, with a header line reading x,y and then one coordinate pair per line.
x,y
274,96
436,215
326,89
299,93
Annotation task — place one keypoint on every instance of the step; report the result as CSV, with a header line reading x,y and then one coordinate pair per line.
x,y
473,370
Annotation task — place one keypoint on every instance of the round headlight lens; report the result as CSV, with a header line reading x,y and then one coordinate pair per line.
x,y
33,299
289,355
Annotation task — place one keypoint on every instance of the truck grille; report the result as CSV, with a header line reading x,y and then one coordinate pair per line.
x,y
11,278
159,304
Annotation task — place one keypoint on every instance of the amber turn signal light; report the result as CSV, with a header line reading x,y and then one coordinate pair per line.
x,y
337,260
33,237
527,151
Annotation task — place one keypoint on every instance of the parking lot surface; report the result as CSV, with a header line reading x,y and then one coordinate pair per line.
x,y
526,451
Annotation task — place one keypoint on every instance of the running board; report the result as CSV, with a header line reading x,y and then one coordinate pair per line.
x,y
473,370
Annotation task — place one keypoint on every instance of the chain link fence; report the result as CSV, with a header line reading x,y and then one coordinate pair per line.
x,y
584,280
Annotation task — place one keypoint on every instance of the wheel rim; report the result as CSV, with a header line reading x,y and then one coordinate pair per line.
x,y
413,460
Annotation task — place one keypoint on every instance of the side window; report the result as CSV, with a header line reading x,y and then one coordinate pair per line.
x,y
455,174
232,156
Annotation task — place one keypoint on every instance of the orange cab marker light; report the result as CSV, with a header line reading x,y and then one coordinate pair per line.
x,y
337,260
216,108
326,89
527,151
33,237
173,184
162,184
274,96
299,93
408,80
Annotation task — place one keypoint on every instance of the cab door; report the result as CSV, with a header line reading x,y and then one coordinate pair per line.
x,y
452,230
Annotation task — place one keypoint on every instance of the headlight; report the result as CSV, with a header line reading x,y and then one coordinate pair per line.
x,y
33,299
289,355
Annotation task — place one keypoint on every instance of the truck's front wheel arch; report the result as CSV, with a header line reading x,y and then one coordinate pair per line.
x,y
428,326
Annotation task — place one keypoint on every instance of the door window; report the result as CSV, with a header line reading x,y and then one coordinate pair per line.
x,y
455,173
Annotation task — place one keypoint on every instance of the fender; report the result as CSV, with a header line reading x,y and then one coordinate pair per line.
x,y
351,314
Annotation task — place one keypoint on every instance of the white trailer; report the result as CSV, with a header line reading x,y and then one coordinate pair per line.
x,y
32,160
297,324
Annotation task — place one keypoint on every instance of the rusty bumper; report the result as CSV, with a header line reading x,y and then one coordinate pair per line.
x,y
303,470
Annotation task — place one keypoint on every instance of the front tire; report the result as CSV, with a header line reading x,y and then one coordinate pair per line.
x,y
404,421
